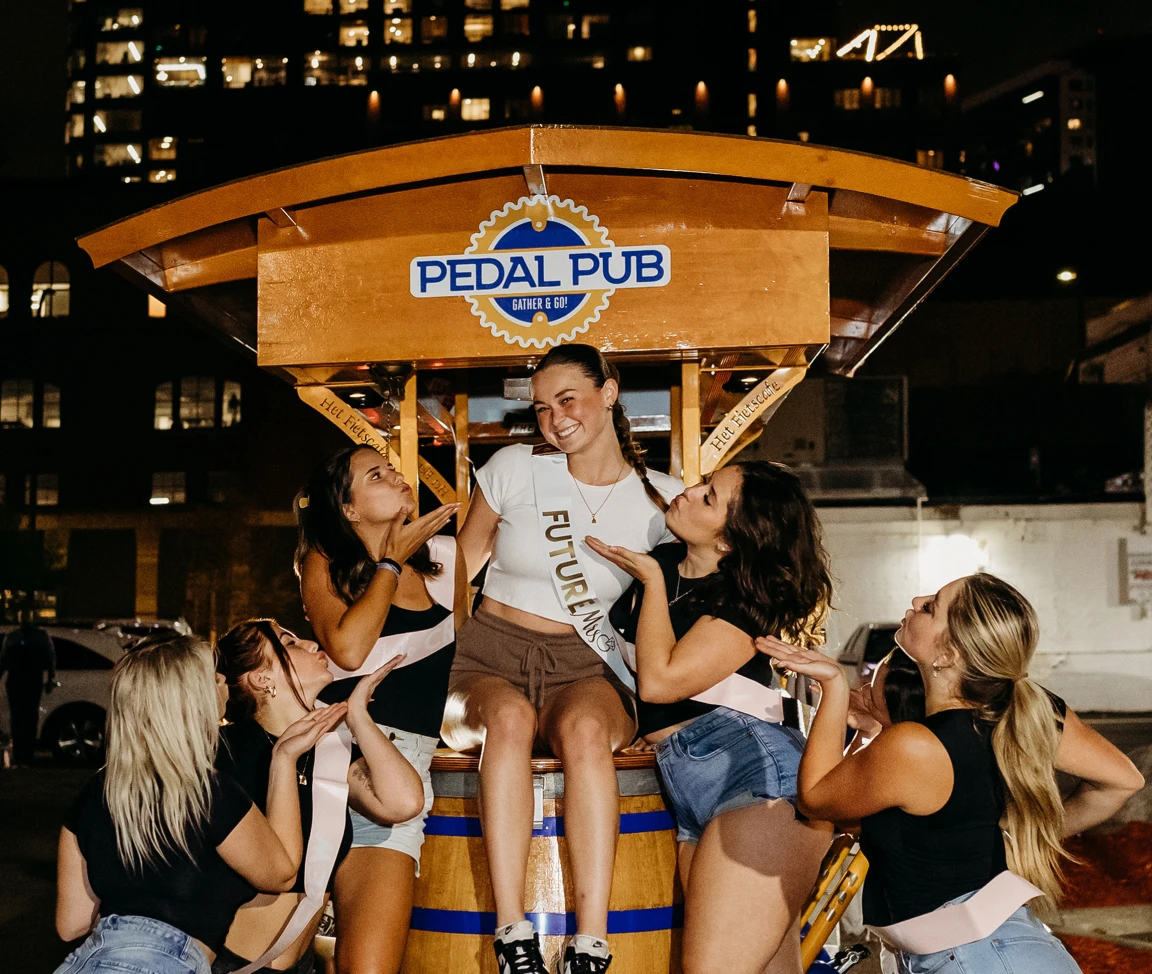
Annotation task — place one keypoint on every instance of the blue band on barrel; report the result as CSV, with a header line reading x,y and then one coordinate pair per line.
x,y
547,924
469,826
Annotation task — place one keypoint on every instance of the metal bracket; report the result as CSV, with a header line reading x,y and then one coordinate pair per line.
x,y
534,177
537,801
798,192
281,217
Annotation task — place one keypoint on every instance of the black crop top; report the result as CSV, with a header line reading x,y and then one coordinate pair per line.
x,y
198,894
411,698
684,614
917,863
245,755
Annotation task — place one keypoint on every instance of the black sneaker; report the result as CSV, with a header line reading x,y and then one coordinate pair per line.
x,y
578,962
519,956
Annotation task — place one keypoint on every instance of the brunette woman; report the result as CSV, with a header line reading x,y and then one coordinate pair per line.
x,y
949,803
375,587
159,850
749,561
273,678
533,665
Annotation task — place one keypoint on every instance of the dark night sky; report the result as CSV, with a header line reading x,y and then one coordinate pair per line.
x,y
994,38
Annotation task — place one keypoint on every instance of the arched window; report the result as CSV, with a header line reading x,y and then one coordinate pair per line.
x,y
3,293
50,290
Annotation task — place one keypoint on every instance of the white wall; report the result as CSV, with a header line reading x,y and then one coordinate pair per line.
x,y
1094,651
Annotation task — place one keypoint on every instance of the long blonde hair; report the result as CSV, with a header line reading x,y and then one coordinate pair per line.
x,y
163,730
994,630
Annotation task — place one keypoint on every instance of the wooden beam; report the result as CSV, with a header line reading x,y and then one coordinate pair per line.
x,y
676,445
410,440
462,465
690,421
845,233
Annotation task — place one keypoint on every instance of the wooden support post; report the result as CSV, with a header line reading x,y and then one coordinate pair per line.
x,y
676,438
690,420
460,415
410,440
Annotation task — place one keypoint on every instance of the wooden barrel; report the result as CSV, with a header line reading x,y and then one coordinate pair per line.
x,y
455,915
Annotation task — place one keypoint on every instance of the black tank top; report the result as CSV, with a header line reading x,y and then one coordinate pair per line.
x,y
410,698
917,863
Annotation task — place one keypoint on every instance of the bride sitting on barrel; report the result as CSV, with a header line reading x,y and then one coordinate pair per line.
x,y
539,662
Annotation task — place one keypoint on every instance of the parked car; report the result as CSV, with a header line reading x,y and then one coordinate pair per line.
x,y
869,643
72,715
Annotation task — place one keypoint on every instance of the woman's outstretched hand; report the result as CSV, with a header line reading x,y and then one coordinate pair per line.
x,y
403,540
808,662
301,737
635,563
360,698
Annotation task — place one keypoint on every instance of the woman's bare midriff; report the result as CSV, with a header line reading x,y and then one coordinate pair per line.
x,y
529,620
657,736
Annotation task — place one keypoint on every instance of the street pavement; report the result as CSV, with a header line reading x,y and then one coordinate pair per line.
x,y
34,801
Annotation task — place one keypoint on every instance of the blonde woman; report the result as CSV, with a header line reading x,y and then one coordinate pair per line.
x,y
949,803
158,851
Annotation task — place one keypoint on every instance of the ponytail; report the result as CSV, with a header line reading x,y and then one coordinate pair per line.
x,y
994,631
592,363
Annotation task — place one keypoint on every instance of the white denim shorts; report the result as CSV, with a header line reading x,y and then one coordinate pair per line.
x,y
406,837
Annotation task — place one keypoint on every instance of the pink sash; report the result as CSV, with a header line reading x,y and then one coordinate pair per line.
x,y
977,917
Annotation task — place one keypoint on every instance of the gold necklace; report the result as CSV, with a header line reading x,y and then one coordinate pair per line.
x,y
606,499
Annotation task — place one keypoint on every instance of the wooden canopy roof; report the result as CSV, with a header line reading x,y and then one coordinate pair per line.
x,y
780,246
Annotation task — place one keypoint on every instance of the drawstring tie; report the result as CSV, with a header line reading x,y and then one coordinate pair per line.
x,y
538,662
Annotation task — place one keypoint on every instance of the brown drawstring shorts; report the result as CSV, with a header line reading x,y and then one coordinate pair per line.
x,y
538,664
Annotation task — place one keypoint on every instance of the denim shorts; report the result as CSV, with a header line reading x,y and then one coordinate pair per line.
x,y
406,837
726,760
136,945
1020,945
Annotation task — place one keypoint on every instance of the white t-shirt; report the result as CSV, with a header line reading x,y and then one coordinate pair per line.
x,y
518,574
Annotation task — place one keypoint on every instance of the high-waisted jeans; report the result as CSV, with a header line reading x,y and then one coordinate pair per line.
x,y
136,945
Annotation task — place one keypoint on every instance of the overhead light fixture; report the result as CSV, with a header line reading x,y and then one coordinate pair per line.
x,y
1029,190
1035,96
1066,276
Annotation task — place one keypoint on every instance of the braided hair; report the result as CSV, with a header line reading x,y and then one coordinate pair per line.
x,y
589,360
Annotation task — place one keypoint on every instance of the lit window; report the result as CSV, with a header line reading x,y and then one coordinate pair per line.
x,y
117,121
119,86
184,72
162,148
886,98
77,93
162,175
118,154
162,413
478,4
353,6
751,20
476,28
847,99
3,293
230,412
398,30
812,48
561,28
197,402
50,415
47,489
930,158
752,130
78,61
318,6
167,488
126,18
158,309
515,24
639,54
119,52
1073,123
16,403
397,7
433,29
751,104
435,113
355,34
50,290
475,109
751,59
593,26
513,4
76,127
